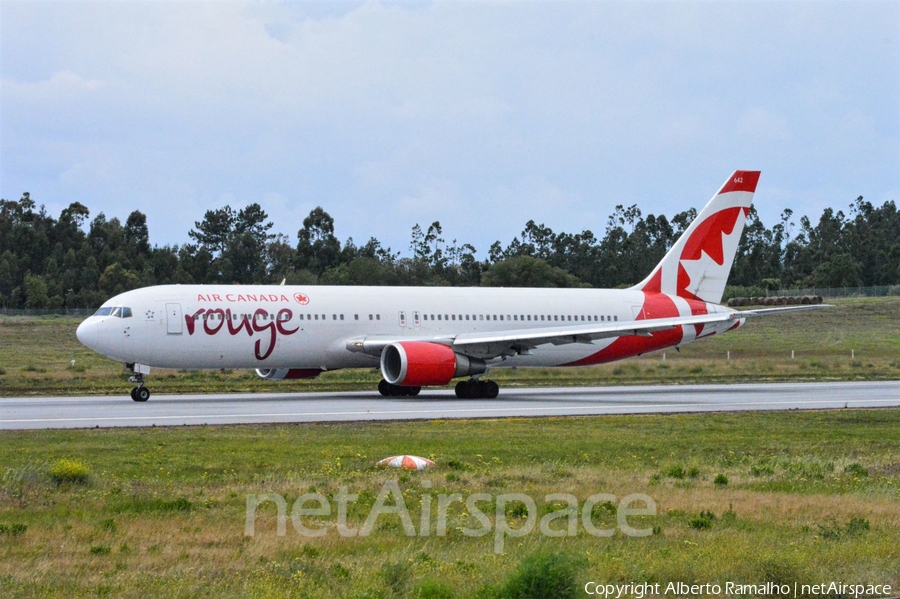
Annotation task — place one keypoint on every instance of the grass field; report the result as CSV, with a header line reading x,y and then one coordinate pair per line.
x,y
857,339
748,498
807,497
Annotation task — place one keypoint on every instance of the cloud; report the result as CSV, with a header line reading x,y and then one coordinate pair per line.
x,y
388,114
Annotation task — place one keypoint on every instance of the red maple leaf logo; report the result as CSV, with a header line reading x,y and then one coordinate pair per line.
x,y
301,298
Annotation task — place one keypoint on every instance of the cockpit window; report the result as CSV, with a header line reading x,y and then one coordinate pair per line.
x,y
114,311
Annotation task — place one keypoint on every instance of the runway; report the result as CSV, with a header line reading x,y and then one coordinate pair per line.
x,y
174,410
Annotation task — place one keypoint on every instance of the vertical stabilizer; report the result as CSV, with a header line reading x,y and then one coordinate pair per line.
x,y
697,266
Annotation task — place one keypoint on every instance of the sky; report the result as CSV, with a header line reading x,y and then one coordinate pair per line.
x,y
480,115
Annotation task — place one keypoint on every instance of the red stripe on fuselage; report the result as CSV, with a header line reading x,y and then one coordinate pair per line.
x,y
656,305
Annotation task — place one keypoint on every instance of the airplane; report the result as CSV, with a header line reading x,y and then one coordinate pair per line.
x,y
428,336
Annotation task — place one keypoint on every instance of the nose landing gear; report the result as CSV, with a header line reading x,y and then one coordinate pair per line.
x,y
139,393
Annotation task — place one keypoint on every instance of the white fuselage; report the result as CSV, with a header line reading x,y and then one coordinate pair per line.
x,y
271,327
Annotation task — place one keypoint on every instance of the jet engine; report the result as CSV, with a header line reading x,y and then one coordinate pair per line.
x,y
418,363
280,374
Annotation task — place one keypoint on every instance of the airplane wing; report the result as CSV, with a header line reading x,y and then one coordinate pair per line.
x,y
509,343
491,344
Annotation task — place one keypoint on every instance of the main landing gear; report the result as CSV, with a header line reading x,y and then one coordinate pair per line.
x,y
139,393
476,389
389,390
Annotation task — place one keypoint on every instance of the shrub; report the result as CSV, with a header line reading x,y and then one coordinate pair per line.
x,y
68,470
13,530
856,525
856,470
544,575
834,531
517,509
100,550
703,521
675,472
435,589
721,480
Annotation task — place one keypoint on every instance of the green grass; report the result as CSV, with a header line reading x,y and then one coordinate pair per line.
x,y
36,355
811,496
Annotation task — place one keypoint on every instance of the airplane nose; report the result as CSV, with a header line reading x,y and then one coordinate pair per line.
x,y
88,334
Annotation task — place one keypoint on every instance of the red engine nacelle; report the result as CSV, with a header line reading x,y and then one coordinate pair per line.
x,y
280,374
418,363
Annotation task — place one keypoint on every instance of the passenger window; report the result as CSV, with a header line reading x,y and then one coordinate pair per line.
x,y
616,318
356,317
516,317
378,317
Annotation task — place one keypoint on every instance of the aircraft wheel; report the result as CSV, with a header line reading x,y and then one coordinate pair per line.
x,y
413,391
492,390
464,390
384,388
141,394
134,394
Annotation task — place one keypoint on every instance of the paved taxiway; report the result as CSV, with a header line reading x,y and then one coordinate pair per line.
x,y
171,410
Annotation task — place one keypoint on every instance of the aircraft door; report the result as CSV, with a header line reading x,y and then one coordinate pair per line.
x,y
174,322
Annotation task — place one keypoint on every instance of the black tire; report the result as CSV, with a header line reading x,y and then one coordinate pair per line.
x,y
463,390
141,394
492,390
413,391
385,388
134,394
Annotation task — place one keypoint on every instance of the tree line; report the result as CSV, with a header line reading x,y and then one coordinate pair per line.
x,y
71,262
